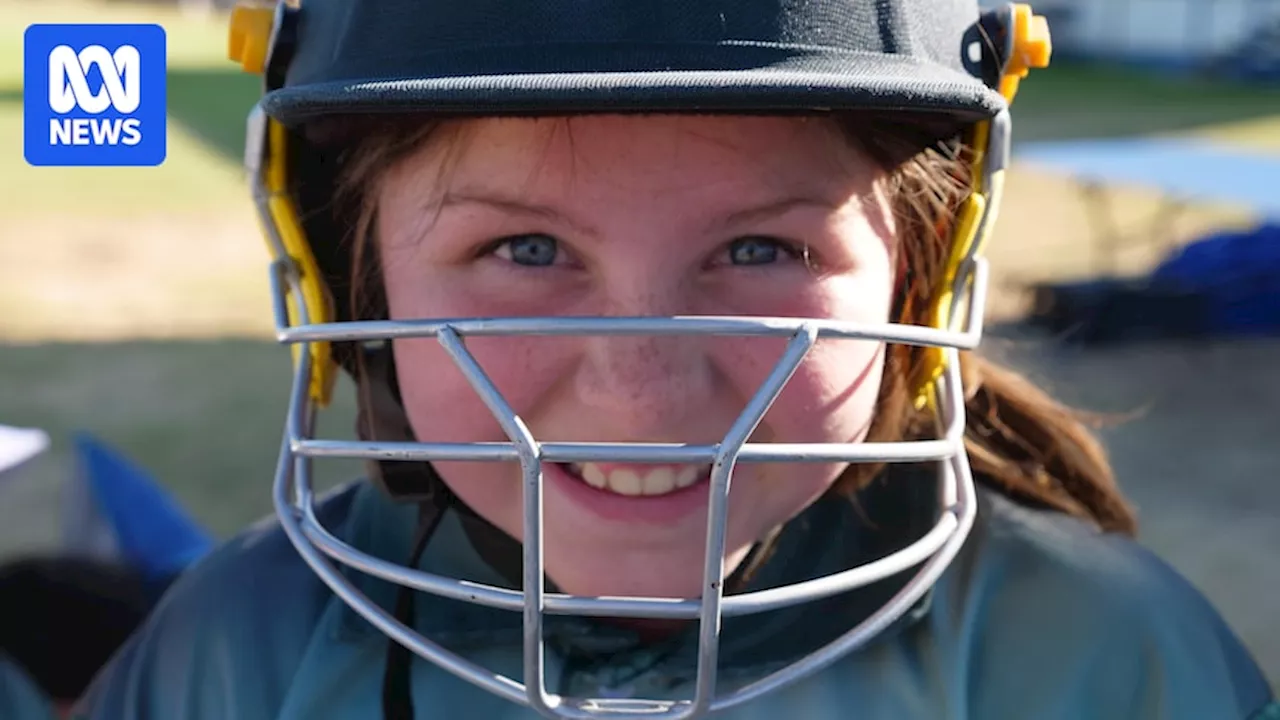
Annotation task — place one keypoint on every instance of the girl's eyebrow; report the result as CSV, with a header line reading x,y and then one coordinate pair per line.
x,y
516,206
772,209
495,200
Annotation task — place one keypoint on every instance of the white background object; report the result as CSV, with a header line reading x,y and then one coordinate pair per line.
x,y
19,445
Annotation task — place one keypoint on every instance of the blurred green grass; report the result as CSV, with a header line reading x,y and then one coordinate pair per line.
x,y
205,417
1079,100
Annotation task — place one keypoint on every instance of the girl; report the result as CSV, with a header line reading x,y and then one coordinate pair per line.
x,y
655,309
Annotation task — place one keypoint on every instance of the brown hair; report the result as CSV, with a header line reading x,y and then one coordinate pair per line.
x,y
1019,440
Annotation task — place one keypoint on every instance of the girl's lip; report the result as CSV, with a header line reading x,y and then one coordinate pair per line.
x,y
645,509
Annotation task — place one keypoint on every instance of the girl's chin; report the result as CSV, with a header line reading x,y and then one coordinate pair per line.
x,y
683,584
609,569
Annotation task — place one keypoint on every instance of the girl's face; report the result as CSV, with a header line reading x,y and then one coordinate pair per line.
x,y
638,216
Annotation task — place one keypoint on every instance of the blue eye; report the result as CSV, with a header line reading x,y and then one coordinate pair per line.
x,y
531,250
755,251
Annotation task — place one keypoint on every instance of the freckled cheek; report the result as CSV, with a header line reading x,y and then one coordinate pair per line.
x,y
830,398
443,405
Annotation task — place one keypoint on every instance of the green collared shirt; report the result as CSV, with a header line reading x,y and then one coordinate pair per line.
x,y
1039,617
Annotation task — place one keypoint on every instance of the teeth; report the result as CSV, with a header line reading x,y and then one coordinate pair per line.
x,y
592,474
625,482
636,481
689,474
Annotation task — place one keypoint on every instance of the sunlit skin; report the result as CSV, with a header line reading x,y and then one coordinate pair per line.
x,y
629,216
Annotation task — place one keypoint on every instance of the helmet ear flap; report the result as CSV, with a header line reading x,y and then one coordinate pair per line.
x,y
327,221
338,222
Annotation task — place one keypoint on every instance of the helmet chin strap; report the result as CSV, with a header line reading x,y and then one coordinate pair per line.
x,y
397,685
381,416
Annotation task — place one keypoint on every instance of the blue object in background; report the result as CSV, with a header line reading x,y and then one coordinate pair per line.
x,y
1225,285
1237,274
119,510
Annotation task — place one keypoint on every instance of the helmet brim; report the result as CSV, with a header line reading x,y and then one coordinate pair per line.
x,y
719,79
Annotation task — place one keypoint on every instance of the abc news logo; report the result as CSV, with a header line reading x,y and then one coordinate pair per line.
x,y
69,89
94,95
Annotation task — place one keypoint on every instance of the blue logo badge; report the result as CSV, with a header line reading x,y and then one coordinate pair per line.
x,y
94,95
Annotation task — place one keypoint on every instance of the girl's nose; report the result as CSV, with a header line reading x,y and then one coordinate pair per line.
x,y
651,385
